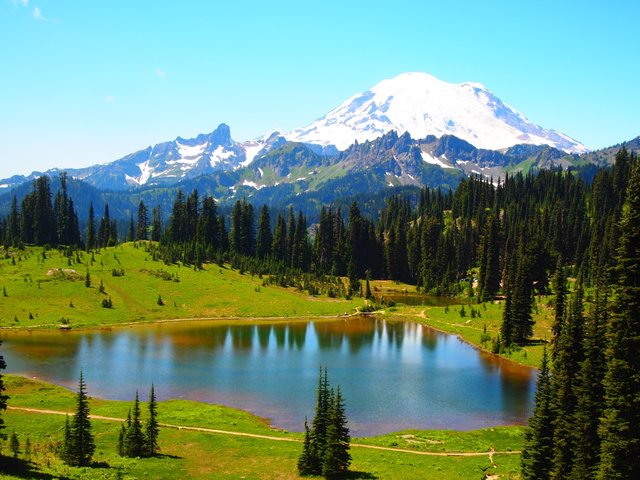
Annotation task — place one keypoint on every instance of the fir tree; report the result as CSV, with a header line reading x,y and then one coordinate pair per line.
x,y
152,429
142,224
620,427
590,391
537,454
91,229
305,464
79,444
3,397
336,456
320,423
264,240
565,373
560,289
134,441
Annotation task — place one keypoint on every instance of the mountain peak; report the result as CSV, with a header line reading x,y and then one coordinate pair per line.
x,y
422,105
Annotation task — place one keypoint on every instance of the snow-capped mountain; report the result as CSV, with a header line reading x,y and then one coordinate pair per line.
x,y
423,105
168,162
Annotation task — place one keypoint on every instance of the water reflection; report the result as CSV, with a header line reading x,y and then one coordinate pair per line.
x,y
395,375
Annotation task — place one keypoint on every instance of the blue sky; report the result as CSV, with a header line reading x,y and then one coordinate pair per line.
x,y
89,82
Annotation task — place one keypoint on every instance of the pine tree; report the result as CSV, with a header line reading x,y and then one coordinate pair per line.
x,y
264,240
537,454
620,427
134,441
590,391
131,235
152,428
320,423
3,397
142,225
156,224
560,289
305,466
79,444
566,369
91,229
336,456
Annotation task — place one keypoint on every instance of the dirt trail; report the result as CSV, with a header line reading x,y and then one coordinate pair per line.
x,y
490,454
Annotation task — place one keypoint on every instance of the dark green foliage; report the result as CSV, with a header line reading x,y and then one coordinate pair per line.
x,y
489,258
3,397
306,459
590,391
336,456
78,446
326,445
142,224
566,369
264,239
538,450
620,427
134,441
152,428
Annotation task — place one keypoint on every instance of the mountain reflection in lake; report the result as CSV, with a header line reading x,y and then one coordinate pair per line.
x,y
394,375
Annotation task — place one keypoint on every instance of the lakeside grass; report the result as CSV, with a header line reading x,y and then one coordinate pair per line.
x,y
472,328
45,287
190,454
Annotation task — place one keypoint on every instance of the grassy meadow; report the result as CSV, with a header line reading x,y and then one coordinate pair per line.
x,y
44,289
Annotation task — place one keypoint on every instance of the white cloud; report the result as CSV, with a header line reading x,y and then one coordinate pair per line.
x,y
24,3
37,13
109,99
160,72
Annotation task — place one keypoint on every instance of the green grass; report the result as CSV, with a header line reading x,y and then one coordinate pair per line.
x,y
489,315
40,295
189,454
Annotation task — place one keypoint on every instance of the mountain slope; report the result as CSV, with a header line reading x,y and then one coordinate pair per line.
x,y
422,105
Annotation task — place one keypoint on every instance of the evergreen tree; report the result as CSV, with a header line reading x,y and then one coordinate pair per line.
x,y
13,234
264,240
566,369
590,391
305,466
152,428
3,397
142,224
620,427
156,224
320,424
91,229
537,454
131,235
336,456
489,275
134,441
79,444
559,285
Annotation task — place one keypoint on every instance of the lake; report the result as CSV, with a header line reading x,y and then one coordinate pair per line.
x,y
394,375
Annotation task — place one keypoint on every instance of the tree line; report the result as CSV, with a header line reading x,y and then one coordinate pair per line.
x,y
586,421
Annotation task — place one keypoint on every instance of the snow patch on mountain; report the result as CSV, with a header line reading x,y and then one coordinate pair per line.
x,y
428,158
423,105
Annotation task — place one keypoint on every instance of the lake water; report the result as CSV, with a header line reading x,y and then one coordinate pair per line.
x,y
394,375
